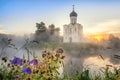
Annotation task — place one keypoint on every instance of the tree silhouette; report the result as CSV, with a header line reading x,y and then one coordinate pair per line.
x,y
40,27
44,34
41,32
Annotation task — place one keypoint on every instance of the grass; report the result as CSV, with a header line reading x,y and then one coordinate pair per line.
x,y
85,75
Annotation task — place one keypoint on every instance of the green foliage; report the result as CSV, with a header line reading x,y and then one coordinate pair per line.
x,y
46,68
111,75
85,75
40,27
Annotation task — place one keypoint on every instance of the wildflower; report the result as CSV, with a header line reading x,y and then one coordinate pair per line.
x,y
27,70
45,53
62,57
16,76
34,62
60,50
17,61
24,61
8,64
57,55
4,59
28,79
42,63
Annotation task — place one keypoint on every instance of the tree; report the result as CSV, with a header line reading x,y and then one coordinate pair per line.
x,y
52,29
41,32
40,27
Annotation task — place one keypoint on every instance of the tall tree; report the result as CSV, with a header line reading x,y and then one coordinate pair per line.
x,y
40,27
41,32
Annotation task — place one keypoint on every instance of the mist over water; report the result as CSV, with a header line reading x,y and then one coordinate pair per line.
x,y
93,56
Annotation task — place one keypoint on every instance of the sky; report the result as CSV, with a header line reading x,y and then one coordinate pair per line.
x,y
96,16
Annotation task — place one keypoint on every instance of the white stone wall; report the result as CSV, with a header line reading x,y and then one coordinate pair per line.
x,y
72,33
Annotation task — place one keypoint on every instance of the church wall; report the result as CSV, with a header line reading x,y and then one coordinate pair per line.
x,y
72,31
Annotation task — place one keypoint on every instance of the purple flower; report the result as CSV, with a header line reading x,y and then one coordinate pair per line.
x,y
60,50
17,77
17,61
47,53
34,62
27,70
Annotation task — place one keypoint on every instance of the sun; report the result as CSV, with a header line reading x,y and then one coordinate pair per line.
x,y
98,37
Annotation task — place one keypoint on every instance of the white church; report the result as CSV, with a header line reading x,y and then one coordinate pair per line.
x,y
73,32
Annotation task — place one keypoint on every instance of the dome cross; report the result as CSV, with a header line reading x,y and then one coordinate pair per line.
x,y
73,7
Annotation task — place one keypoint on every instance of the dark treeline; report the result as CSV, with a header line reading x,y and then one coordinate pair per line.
x,y
44,34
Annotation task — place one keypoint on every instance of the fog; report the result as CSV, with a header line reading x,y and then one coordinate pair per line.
x,y
79,56
93,56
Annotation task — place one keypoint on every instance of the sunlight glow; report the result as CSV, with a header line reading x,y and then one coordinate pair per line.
x,y
98,37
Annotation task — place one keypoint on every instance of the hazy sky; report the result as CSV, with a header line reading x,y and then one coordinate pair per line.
x,y
20,16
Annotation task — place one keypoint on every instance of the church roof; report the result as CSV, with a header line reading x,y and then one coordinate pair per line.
x,y
73,13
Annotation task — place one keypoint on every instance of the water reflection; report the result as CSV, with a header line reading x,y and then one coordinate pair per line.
x,y
96,64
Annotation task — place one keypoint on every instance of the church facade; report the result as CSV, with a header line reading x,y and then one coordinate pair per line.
x,y
73,32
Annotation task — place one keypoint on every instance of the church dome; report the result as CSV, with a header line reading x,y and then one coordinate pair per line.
x,y
73,13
